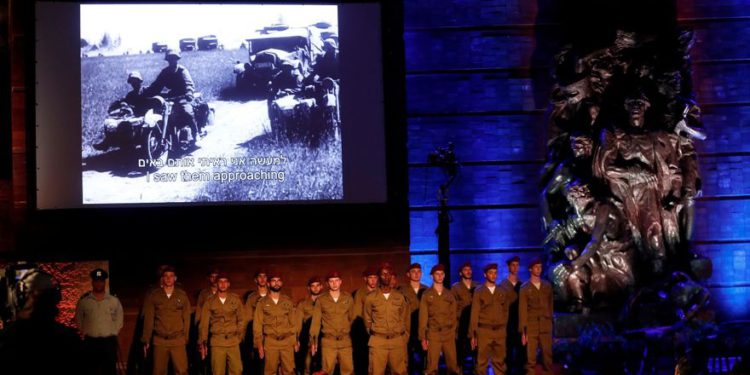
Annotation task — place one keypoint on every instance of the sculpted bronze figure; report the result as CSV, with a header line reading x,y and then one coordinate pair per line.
x,y
619,185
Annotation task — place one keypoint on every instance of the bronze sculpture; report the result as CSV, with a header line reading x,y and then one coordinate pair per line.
x,y
621,176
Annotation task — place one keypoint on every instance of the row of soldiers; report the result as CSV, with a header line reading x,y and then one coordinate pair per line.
x,y
379,328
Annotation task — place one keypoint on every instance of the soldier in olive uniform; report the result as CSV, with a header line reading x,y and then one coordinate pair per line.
x,y
463,290
437,323
203,296
276,328
489,319
306,362
535,318
387,316
413,293
254,364
223,323
166,319
360,335
514,349
331,323
205,293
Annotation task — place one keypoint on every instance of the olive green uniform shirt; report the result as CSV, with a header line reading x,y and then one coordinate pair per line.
x,y
332,318
167,319
388,317
277,319
223,323
437,315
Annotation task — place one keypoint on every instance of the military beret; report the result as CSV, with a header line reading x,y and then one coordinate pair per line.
x,y
491,266
166,268
370,271
413,266
534,261
437,267
314,279
99,274
466,264
384,265
332,274
512,259
222,275
261,271
274,273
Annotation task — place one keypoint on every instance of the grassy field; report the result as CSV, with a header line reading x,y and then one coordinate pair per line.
x,y
310,173
103,80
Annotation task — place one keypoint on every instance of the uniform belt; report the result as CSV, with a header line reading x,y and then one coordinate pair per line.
x,y
87,337
442,329
388,337
279,338
493,327
169,337
224,336
332,337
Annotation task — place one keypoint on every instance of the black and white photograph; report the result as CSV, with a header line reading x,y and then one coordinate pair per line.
x,y
210,103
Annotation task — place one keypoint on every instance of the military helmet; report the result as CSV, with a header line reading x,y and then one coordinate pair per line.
x,y
135,75
330,43
289,64
171,53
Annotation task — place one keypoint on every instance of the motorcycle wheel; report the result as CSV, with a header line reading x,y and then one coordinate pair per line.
x,y
157,151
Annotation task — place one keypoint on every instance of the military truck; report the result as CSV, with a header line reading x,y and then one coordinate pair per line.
x,y
268,49
208,42
159,47
188,44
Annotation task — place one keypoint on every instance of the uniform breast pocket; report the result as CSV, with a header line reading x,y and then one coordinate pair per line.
x,y
484,301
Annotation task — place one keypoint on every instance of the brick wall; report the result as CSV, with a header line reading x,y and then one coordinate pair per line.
x,y
477,76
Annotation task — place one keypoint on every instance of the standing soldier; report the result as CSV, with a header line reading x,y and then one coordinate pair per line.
x,y
99,317
535,318
487,327
224,318
437,323
334,311
205,293
512,285
413,293
387,318
305,361
249,353
166,319
463,290
176,78
203,296
276,329
360,336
